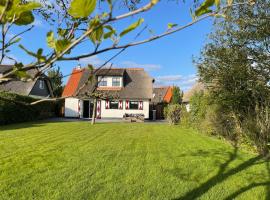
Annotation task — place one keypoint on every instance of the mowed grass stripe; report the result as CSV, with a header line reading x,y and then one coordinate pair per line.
x,y
74,160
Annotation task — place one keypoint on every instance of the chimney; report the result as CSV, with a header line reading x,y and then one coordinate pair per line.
x,y
78,67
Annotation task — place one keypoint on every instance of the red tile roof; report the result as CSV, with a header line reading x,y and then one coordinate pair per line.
x,y
168,96
73,82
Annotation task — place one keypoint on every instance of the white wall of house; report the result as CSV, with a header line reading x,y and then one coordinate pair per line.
x,y
188,107
118,113
71,107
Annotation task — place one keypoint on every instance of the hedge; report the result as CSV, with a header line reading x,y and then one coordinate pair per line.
x,y
15,108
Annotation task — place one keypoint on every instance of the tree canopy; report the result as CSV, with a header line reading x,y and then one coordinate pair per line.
x,y
79,21
235,65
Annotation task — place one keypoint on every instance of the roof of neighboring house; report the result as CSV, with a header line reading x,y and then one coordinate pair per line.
x,y
137,84
23,87
5,68
197,87
162,94
73,82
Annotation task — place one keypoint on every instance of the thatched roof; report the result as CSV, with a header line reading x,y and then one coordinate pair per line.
x,y
22,87
137,83
197,87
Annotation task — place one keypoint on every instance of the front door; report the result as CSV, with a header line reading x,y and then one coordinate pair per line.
x,y
86,109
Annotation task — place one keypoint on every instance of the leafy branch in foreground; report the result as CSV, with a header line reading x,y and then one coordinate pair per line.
x,y
82,26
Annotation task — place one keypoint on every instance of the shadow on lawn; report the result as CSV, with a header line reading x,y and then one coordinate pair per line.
x,y
28,124
224,173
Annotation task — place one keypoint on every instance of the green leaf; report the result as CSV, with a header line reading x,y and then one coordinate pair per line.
x,y
21,12
110,32
14,41
96,35
19,72
170,25
27,51
22,75
18,66
204,8
51,40
82,8
25,18
37,55
61,45
132,27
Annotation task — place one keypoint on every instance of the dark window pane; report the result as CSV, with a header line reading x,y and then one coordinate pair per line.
x,y
134,105
113,104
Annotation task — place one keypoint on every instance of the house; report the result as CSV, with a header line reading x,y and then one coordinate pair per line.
x,y
120,90
38,88
161,97
162,94
197,87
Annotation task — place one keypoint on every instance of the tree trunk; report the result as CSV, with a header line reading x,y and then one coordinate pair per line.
x,y
94,112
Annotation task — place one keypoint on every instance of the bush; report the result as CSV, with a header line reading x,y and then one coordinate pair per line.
x,y
257,127
211,118
185,117
172,113
15,108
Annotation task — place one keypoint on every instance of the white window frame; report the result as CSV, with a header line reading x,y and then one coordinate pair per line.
x,y
41,84
116,80
102,80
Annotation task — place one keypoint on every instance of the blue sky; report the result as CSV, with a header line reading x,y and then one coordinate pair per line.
x,y
168,60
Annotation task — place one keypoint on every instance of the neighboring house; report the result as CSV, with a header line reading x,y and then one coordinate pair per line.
x,y
39,87
162,95
197,87
123,91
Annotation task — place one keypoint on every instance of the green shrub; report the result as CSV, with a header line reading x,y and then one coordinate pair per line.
x,y
172,113
15,108
185,117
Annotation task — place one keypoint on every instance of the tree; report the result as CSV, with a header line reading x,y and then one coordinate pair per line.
x,y
235,66
177,95
56,78
75,24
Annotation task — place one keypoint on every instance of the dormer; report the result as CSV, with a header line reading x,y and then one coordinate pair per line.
x,y
110,78
110,81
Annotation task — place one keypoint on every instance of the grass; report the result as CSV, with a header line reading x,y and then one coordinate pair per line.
x,y
74,160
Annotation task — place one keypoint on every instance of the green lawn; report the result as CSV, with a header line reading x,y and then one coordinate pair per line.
x,y
74,160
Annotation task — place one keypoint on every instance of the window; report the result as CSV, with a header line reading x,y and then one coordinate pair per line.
x,y
113,104
116,81
134,105
102,81
41,84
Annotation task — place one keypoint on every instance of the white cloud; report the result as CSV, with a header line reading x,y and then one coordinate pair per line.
x,y
169,78
184,82
147,67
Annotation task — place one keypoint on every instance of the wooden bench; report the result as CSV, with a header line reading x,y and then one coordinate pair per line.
x,y
133,117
